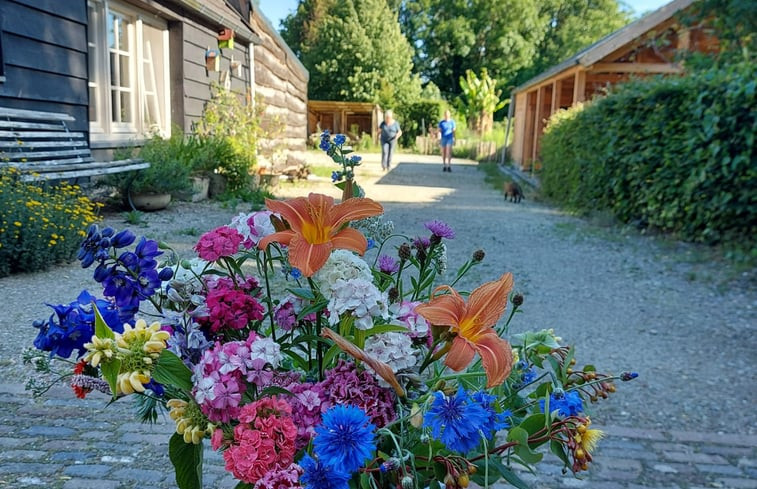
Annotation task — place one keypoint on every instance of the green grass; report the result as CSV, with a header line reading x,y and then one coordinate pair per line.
x,y
494,177
323,171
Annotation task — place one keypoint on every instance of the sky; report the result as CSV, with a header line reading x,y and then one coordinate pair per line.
x,y
276,10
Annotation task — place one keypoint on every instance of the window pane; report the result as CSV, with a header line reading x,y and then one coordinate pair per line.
x,y
126,107
153,78
92,103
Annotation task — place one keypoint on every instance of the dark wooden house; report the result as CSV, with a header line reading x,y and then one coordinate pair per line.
x,y
351,118
128,68
647,46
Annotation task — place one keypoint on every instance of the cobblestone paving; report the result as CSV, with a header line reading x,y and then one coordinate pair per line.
x,y
59,441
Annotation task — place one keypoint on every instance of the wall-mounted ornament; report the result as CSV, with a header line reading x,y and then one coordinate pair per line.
x,y
225,38
235,67
212,60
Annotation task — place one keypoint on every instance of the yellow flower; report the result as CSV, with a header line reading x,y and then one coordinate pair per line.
x,y
131,382
190,421
17,224
99,349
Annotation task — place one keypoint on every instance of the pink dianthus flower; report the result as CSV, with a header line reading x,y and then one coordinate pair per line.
x,y
220,242
264,440
345,385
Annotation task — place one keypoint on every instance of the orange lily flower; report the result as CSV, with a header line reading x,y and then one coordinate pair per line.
x,y
473,326
317,226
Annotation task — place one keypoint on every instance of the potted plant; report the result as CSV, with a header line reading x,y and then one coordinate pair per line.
x,y
151,189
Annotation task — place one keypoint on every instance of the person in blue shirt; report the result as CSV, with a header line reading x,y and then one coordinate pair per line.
x,y
390,131
446,140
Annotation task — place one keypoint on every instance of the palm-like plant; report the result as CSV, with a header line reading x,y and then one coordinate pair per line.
x,y
482,99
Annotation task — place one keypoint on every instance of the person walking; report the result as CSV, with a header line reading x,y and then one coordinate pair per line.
x,y
446,140
390,132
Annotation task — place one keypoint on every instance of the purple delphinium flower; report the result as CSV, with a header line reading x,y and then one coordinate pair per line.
x,y
388,265
440,228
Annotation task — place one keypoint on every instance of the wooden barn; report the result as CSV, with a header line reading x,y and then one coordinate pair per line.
x,y
126,68
351,118
647,46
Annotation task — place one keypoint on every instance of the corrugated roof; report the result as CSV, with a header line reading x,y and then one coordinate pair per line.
x,y
595,52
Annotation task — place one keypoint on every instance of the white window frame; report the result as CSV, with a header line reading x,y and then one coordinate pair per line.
x,y
104,128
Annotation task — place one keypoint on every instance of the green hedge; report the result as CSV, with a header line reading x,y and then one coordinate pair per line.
x,y
676,153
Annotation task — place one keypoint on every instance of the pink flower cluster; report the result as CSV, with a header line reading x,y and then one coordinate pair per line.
x,y
286,313
288,478
345,385
263,443
220,242
221,374
309,402
231,307
416,324
253,227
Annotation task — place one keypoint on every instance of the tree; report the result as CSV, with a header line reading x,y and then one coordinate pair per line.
x,y
482,100
354,50
513,39
452,36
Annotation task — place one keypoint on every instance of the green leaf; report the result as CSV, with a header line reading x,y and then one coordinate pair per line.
x,y
170,370
244,485
110,370
331,353
520,435
384,328
497,470
559,450
302,293
187,461
274,390
102,330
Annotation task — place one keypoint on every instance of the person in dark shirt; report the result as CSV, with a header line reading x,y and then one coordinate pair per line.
x,y
390,132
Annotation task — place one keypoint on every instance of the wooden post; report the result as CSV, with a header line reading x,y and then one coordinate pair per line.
x,y
537,117
556,87
579,87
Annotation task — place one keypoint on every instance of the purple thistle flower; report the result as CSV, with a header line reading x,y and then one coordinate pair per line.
x,y
440,228
388,265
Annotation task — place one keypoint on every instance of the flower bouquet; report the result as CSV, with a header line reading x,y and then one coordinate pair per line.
x,y
315,348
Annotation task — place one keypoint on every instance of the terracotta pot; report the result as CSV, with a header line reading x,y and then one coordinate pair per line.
x,y
150,202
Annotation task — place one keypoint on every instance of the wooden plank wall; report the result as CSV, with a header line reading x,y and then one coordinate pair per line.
x,y
44,46
196,89
283,84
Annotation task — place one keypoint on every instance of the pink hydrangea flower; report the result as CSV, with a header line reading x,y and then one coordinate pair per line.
x,y
220,242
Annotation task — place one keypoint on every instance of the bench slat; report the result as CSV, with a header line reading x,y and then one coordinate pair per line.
x,y
40,134
28,155
42,144
28,125
81,166
35,115
35,165
84,173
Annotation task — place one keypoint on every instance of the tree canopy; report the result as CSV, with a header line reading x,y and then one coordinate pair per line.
x,y
354,50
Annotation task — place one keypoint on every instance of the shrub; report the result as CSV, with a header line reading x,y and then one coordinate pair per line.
x,y
213,154
40,225
170,166
232,117
414,116
673,153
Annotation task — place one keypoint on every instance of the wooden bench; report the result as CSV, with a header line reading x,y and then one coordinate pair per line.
x,y
40,145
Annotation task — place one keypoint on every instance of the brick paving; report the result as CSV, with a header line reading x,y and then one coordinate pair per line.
x,y
59,441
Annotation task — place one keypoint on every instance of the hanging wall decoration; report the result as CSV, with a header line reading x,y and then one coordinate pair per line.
x,y
225,38
212,60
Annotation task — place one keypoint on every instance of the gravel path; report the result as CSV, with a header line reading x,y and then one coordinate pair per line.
x,y
627,302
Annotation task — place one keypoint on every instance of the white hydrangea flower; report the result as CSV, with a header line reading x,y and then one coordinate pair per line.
x,y
404,313
342,265
186,279
360,298
394,348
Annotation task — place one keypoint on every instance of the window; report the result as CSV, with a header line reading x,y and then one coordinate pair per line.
x,y
128,73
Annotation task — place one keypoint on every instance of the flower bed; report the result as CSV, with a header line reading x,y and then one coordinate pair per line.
x,y
315,348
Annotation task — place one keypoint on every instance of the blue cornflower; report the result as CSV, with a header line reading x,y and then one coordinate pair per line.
x,y
295,273
497,421
340,139
345,438
317,475
565,403
73,325
371,243
336,176
456,421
